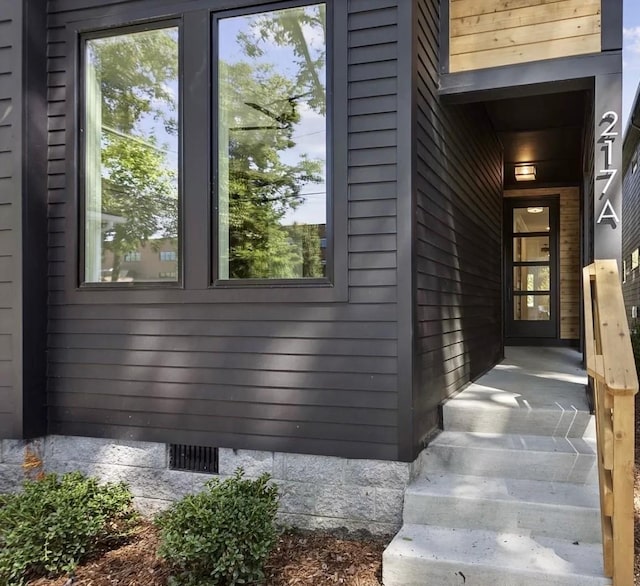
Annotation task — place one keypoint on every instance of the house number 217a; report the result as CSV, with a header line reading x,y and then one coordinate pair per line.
x,y
607,137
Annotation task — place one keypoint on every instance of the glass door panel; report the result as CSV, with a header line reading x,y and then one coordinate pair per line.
x,y
532,307
530,248
531,219
531,278
531,263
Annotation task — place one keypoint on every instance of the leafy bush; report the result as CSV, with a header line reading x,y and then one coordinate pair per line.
x,y
55,521
222,535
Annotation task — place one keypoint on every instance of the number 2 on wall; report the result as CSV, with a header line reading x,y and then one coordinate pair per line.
x,y
608,131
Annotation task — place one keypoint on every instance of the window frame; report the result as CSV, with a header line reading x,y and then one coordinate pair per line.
x,y
81,44
196,284
215,281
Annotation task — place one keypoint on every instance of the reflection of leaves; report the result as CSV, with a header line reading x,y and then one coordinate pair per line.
x,y
132,99
286,28
262,187
140,193
135,71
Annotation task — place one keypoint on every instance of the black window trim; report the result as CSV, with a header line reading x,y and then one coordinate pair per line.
x,y
82,38
194,286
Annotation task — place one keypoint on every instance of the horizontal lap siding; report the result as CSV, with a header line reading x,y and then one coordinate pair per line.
x,y
10,80
302,377
490,33
631,235
459,212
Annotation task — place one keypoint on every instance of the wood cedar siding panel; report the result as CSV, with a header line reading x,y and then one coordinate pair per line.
x,y
491,33
10,190
296,377
569,249
631,235
459,236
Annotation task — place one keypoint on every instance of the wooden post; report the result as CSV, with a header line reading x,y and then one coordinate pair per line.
x,y
623,456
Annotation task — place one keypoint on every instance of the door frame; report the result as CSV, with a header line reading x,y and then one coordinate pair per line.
x,y
551,201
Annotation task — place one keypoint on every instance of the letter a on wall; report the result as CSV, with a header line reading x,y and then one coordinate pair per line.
x,y
608,214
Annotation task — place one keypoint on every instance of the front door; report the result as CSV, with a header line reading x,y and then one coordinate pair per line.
x,y
531,267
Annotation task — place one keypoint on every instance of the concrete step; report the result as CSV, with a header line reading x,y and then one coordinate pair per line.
x,y
430,556
530,457
505,412
551,509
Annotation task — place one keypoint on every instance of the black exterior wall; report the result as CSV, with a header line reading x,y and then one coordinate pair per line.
x,y
631,237
631,210
588,189
10,226
285,369
23,249
458,243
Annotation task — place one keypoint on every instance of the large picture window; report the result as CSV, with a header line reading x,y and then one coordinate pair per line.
x,y
131,137
211,169
271,134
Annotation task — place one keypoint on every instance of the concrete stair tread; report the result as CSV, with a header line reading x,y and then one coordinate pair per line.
x,y
533,457
486,410
563,510
425,555
514,442
542,492
483,395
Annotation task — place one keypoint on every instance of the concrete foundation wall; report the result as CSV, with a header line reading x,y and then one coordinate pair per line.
x,y
315,491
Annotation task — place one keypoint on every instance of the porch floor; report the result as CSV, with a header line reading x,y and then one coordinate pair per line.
x,y
535,390
515,382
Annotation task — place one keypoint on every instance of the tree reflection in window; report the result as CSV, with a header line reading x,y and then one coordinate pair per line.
x,y
130,153
272,198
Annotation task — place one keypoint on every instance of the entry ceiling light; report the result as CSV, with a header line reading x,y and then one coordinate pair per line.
x,y
535,210
525,172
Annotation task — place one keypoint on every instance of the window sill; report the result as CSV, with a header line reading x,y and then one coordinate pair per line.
x,y
262,292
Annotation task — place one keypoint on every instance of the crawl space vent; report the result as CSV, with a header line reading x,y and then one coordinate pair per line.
x,y
193,458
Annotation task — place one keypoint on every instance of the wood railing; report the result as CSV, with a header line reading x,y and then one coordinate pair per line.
x,y
611,365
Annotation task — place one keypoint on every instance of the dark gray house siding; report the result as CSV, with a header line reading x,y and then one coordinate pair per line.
x,y
10,205
588,190
458,239
631,223
22,219
317,377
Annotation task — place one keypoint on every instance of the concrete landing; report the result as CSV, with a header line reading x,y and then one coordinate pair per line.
x,y
534,391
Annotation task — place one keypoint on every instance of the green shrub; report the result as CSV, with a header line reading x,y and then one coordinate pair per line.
x,y
222,535
54,522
